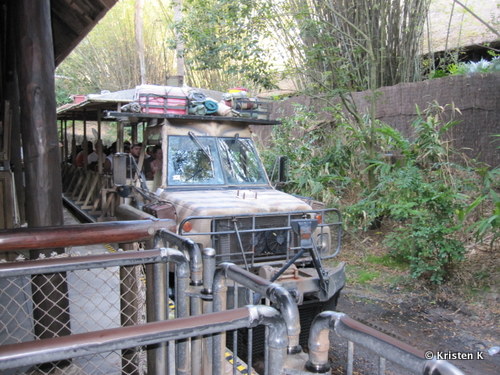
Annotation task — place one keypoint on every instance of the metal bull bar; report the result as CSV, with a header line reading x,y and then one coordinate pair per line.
x,y
378,342
59,348
255,228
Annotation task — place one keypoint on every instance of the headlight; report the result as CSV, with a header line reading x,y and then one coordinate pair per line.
x,y
323,242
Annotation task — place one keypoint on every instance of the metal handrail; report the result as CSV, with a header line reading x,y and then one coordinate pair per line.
x,y
83,344
383,345
156,257
73,263
81,234
272,291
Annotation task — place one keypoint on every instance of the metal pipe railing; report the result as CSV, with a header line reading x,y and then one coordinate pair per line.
x,y
274,292
196,267
81,234
83,344
73,263
276,340
156,257
207,297
383,345
192,248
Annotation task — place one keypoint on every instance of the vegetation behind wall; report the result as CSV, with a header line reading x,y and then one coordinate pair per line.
x,y
433,199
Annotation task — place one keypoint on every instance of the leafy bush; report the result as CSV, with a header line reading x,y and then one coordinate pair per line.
x,y
318,160
417,188
461,68
487,223
419,195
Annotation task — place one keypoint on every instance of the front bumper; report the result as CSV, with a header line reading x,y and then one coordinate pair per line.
x,y
304,283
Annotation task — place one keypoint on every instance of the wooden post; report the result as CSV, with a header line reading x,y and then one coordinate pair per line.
x,y
61,138
65,145
129,309
73,141
12,92
38,114
84,142
36,67
99,145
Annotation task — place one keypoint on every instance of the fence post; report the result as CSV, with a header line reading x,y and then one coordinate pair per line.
x,y
208,257
129,309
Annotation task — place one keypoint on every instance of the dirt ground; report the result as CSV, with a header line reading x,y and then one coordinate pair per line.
x,y
439,320
426,325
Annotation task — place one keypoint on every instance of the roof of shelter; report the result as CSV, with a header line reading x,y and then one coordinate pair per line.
x,y
72,21
86,107
457,24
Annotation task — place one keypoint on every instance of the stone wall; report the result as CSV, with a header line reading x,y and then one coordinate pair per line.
x,y
477,97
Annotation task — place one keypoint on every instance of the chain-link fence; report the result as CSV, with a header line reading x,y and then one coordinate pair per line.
x,y
38,303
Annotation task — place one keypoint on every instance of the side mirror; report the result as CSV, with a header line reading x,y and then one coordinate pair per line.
x,y
283,169
120,168
280,178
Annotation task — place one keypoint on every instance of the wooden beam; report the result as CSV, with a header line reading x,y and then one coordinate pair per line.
x,y
41,158
38,115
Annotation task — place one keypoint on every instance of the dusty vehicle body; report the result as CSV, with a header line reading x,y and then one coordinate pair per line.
x,y
216,190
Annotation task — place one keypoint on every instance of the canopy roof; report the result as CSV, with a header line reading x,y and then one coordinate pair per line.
x,y
87,107
106,107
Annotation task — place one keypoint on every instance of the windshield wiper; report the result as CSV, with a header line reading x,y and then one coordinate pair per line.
x,y
195,139
243,144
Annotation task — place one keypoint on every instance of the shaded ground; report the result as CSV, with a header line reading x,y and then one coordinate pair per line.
x,y
446,319
428,326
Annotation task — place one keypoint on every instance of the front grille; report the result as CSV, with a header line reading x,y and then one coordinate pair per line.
x,y
257,237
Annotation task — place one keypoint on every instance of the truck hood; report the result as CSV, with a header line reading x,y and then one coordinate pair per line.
x,y
232,202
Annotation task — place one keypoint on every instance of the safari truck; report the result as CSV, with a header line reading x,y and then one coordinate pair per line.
x,y
213,184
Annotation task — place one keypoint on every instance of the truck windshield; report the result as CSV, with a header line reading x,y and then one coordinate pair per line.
x,y
213,161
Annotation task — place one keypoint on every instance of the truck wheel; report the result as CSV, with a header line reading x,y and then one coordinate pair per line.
x,y
309,310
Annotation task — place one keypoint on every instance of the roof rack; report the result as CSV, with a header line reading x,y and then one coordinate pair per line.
x,y
138,117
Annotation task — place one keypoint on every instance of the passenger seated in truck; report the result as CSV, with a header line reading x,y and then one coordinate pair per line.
x,y
108,162
153,164
92,157
135,153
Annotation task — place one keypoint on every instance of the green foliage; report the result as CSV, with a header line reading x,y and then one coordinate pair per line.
x,y
418,189
387,261
425,243
64,90
366,276
346,45
417,194
425,208
318,160
107,58
471,67
363,276
224,39
486,206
